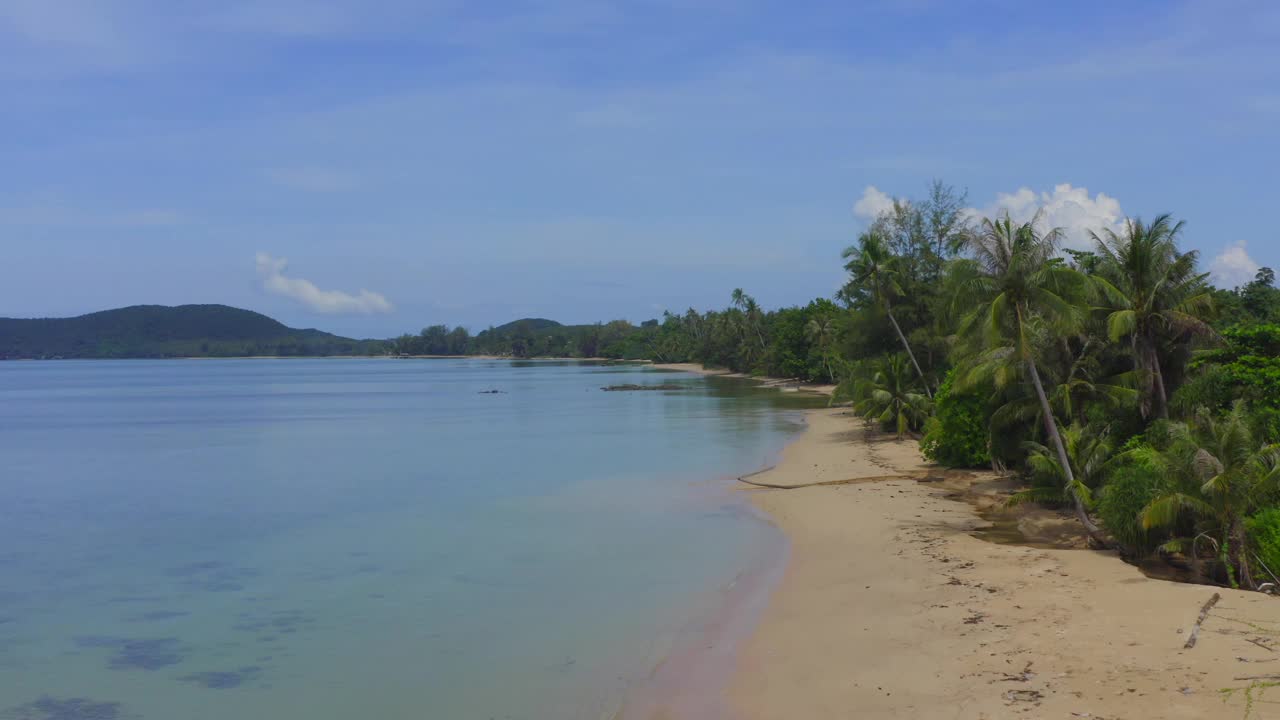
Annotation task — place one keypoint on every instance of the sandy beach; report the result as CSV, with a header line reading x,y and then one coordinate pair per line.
x,y
890,608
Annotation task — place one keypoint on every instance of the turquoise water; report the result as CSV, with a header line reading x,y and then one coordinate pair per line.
x,y
347,538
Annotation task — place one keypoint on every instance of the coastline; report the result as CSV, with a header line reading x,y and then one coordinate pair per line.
x,y
890,608
784,384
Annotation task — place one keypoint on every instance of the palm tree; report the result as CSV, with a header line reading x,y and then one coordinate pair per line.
x,y
1153,292
1220,475
751,310
1070,390
821,331
874,269
1019,293
887,392
1089,455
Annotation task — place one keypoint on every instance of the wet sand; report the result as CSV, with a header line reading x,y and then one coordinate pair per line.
x,y
890,608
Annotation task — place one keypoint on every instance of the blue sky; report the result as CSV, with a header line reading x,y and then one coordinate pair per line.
x,y
374,167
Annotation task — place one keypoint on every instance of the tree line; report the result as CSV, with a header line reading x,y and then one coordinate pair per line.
x,y
1116,379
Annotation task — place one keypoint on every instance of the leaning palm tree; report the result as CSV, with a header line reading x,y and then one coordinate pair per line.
x,y
1089,455
886,391
1019,294
874,270
1218,474
1152,292
821,331
1071,390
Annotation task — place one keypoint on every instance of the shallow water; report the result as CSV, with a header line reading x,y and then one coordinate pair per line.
x,y
362,538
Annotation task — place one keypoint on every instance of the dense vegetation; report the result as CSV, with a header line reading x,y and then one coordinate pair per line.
x,y
156,331
1115,379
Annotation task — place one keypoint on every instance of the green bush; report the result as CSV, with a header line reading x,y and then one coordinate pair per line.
x,y
1120,504
1264,536
957,434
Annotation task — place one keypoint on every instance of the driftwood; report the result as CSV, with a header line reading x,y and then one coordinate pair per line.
x,y
1204,613
919,476
1260,644
1257,677
632,388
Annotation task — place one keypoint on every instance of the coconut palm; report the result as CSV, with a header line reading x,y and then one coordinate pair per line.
x,y
874,270
752,315
1019,295
1218,474
886,391
821,331
1153,292
1071,390
1089,454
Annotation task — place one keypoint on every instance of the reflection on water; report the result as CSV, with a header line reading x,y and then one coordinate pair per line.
x,y
343,538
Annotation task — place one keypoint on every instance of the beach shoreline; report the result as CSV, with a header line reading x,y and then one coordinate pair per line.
x,y
889,607
785,384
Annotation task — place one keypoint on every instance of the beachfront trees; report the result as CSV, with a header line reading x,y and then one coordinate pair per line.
x,y
821,331
887,392
1218,474
1154,297
873,272
1089,454
1020,294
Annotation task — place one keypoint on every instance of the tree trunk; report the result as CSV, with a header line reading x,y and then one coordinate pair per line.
x,y
910,354
1241,548
1051,428
1161,397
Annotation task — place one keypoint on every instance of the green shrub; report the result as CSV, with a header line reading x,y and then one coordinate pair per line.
x,y
1120,504
1264,536
956,436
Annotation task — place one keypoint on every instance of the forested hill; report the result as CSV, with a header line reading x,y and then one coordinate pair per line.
x,y
153,331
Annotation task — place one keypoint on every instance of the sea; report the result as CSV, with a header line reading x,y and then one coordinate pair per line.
x,y
331,539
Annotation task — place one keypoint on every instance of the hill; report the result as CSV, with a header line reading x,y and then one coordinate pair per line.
x,y
530,324
155,331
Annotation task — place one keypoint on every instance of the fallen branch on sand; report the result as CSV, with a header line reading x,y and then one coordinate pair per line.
x,y
844,482
1204,613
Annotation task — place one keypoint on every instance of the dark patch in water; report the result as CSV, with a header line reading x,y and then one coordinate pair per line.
x,y
224,679
129,599
212,576
195,568
47,708
158,615
137,653
269,626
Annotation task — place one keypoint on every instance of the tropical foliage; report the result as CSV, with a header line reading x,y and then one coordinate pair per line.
x,y
1115,379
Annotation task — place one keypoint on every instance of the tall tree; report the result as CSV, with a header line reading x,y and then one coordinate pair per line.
x,y
1019,292
821,331
1153,293
874,274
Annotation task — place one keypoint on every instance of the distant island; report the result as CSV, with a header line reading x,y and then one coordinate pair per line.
x,y
190,331
159,331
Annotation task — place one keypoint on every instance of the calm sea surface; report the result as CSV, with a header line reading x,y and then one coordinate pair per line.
x,y
279,539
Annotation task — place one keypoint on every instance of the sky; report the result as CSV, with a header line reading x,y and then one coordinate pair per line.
x,y
372,167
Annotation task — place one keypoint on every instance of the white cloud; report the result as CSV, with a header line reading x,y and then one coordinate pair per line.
x,y
1067,207
872,203
312,179
1233,266
323,301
